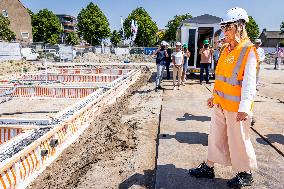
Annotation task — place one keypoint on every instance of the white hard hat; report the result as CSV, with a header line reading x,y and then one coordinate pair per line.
x,y
164,43
235,14
257,41
178,43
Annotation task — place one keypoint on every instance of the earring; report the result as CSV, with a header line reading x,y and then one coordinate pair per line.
x,y
237,38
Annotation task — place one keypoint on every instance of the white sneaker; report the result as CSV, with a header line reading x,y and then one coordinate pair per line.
x,y
179,88
175,88
183,84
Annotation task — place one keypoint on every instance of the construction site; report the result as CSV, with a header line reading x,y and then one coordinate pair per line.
x,y
104,126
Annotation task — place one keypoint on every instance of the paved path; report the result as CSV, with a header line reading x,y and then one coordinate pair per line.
x,y
184,129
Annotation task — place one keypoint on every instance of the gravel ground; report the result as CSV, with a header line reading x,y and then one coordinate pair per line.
x,y
115,150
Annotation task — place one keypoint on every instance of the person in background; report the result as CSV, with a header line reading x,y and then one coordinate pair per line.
x,y
206,59
186,56
261,57
177,58
168,61
229,142
280,55
161,55
217,52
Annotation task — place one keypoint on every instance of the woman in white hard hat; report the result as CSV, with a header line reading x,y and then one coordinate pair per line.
x,y
235,86
177,58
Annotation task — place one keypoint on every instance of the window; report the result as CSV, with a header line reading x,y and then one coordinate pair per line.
x,y
5,13
25,35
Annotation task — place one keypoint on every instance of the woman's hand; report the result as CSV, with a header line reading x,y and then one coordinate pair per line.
x,y
242,116
210,102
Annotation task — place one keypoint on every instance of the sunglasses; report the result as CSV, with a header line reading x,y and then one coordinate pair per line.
x,y
226,27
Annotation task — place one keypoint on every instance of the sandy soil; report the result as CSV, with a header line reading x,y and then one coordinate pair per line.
x,y
115,150
16,67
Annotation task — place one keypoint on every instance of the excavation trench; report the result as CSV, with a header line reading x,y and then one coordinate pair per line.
x,y
118,150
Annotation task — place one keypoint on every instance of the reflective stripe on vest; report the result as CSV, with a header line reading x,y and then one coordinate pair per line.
x,y
228,97
233,80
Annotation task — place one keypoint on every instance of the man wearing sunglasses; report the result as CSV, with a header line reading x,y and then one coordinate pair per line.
x,y
229,142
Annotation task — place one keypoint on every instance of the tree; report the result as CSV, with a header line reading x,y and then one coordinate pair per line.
x,y
46,27
115,38
72,38
252,29
5,33
30,12
282,27
93,25
173,25
160,36
147,28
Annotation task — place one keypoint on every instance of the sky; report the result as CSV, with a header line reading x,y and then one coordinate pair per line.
x,y
267,14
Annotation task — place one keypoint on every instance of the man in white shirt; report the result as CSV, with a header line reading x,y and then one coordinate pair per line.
x,y
261,56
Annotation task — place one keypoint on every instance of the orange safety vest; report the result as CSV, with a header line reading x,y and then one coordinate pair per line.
x,y
229,75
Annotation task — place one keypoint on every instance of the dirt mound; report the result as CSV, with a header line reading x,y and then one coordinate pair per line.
x,y
110,58
15,67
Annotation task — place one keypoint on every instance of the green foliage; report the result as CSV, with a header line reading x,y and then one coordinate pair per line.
x,y
173,25
147,28
161,36
281,44
252,29
115,38
93,24
46,27
282,27
30,12
5,33
72,38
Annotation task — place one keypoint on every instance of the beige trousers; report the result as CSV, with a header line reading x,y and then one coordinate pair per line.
x,y
177,72
229,141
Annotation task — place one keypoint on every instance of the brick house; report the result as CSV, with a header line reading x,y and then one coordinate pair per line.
x,y
271,38
20,19
68,23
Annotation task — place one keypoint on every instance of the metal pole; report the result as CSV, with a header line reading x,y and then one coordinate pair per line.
x,y
45,64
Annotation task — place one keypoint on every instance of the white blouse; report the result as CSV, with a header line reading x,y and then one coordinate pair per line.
x,y
248,90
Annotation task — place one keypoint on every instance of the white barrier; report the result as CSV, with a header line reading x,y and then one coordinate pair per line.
x,y
10,51
121,51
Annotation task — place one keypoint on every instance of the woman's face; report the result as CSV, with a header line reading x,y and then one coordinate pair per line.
x,y
178,47
229,31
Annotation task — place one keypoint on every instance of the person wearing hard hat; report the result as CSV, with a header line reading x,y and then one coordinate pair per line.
x,y
206,59
186,56
161,54
261,56
168,60
229,142
177,58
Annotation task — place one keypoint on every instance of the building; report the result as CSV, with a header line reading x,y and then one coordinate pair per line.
x,y
20,19
193,32
271,38
68,23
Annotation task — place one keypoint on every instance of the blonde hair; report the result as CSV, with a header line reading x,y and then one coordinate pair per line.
x,y
241,32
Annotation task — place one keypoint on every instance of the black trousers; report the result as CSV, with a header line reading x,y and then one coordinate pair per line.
x,y
205,66
168,71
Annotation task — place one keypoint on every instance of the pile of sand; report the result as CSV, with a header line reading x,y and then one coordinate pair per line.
x,y
15,67
112,58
